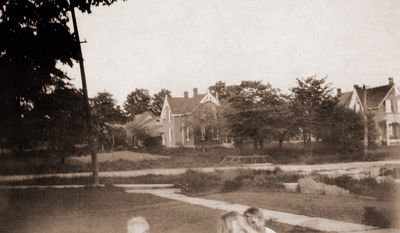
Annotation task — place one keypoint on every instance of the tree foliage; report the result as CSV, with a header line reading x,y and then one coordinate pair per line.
x,y
221,90
158,101
34,38
137,102
105,111
286,126
254,112
312,99
343,130
205,123
144,129
64,124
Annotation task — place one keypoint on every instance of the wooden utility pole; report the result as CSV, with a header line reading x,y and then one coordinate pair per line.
x,y
365,112
89,124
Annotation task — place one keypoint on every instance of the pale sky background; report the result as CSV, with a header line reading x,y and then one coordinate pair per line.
x,y
181,44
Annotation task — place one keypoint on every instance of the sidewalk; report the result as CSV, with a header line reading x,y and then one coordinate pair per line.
x,y
167,191
321,224
358,168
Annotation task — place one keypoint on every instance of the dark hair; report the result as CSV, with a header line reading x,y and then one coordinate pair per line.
x,y
252,210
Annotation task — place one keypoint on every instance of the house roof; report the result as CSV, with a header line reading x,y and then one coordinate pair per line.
x,y
181,105
375,95
345,98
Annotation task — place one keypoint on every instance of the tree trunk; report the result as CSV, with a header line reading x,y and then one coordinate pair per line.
x,y
261,143
309,145
280,143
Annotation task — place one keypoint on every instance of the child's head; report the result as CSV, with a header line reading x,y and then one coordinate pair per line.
x,y
138,225
255,218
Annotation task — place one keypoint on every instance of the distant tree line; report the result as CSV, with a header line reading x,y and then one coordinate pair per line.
x,y
250,110
256,111
40,109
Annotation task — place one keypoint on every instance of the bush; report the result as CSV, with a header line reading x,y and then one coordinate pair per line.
x,y
369,186
378,218
231,185
309,185
197,182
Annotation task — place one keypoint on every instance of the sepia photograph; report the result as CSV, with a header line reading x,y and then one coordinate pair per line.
x,y
189,116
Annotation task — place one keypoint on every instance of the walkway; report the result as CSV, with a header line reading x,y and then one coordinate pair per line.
x,y
167,191
321,224
358,168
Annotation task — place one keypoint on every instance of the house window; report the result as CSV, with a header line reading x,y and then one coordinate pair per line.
x,y
357,107
390,130
214,133
169,116
398,105
163,139
169,134
203,133
388,105
183,135
187,134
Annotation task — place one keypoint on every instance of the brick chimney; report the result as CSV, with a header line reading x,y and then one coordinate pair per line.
x,y
390,81
339,92
186,94
195,92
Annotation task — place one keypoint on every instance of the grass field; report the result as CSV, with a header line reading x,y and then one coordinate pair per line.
x,y
349,209
37,163
104,210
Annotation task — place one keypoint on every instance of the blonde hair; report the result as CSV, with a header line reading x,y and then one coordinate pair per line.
x,y
138,225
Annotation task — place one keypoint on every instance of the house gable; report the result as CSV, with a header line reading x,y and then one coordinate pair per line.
x,y
209,97
375,95
165,109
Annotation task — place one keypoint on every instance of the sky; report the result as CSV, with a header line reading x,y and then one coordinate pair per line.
x,y
182,44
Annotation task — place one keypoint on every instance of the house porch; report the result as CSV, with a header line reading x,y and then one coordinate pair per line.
x,y
390,132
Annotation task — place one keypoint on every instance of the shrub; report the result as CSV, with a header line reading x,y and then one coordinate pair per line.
x,y
197,182
379,218
309,185
384,190
231,185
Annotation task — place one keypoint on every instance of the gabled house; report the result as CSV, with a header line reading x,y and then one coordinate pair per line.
x,y
383,102
174,112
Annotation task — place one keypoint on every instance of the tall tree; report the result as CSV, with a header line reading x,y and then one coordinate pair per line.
x,y
105,111
286,127
253,112
64,124
311,97
221,90
205,123
34,37
137,102
158,101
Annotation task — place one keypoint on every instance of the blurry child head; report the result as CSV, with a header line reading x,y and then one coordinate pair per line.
x,y
138,225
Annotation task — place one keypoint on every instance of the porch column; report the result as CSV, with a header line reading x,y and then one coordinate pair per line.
x,y
387,134
183,136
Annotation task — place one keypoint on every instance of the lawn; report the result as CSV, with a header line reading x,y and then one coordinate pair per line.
x,y
103,210
45,162
349,209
